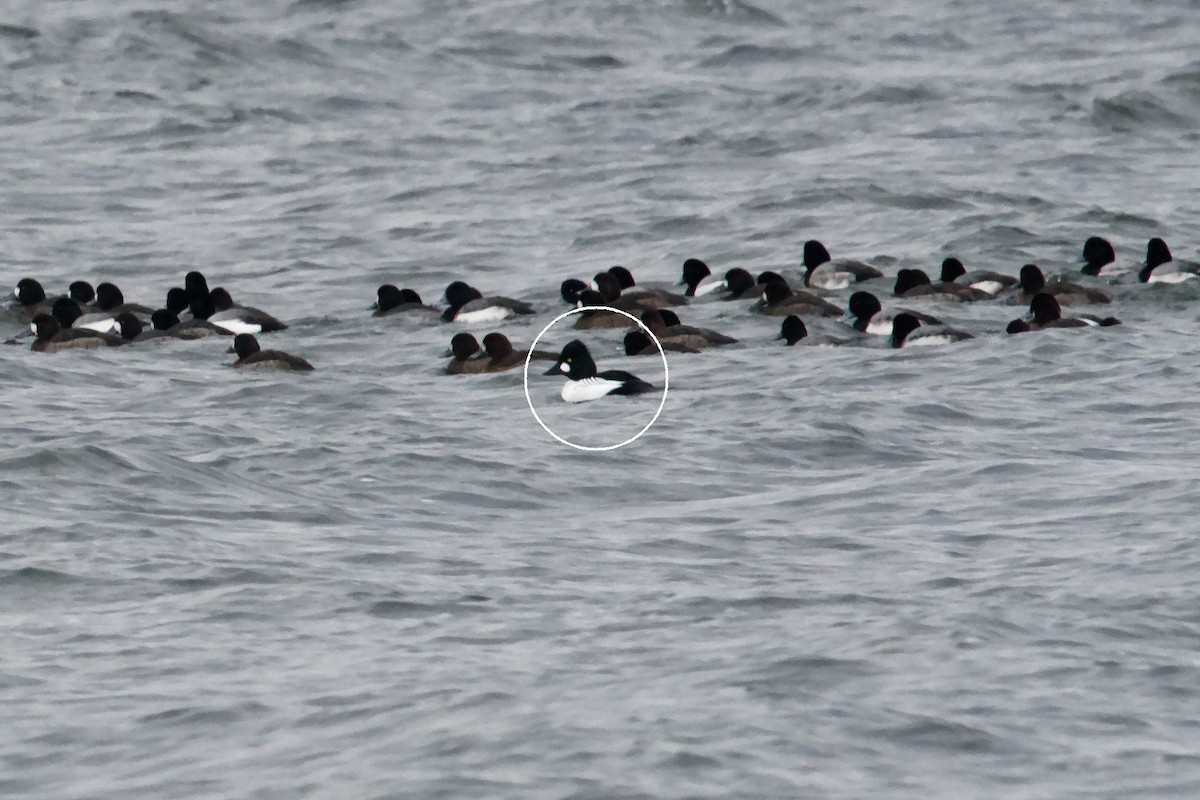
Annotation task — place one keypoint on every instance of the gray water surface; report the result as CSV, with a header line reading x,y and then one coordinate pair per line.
x,y
840,573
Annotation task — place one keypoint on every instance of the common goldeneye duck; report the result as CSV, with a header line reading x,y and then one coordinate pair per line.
x,y
467,304
667,328
392,300
916,283
166,321
593,320
250,356
1097,253
237,318
501,355
130,328
68,314
779,300
50,337
864,315
586,383
626,282
637,343
467,358
698,279
1033,282
794,330
984,280
571,289
1046,313
110,300
908,331
1158,255
823,272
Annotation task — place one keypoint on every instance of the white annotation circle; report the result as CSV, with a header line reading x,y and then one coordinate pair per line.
x,y
661,353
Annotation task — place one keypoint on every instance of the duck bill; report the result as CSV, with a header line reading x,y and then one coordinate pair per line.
x,y
556,369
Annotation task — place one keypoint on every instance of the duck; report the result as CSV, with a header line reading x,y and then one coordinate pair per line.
x,y
130,328
195,285
200,303
741,285
638,343
984,280
794,330
467,358
110,300
667,328
1047,313
177,302
778,299
669,317
165,320
1158,254
864,314
391,300
501,356
610,289
916,283
218,307
237,318
570,290
82,293
50,337
251,356
625,280
1097,253
1033,282
822,272
600,318
69,315
698,279
909,331
31,296
467,304
585,382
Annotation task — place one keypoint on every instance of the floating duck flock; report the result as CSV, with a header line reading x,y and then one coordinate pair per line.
x,y
87,317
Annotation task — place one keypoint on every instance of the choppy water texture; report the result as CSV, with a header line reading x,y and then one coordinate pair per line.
x,y
962,572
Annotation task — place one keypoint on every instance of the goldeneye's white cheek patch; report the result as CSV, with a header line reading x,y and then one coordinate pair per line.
x,y
564,367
